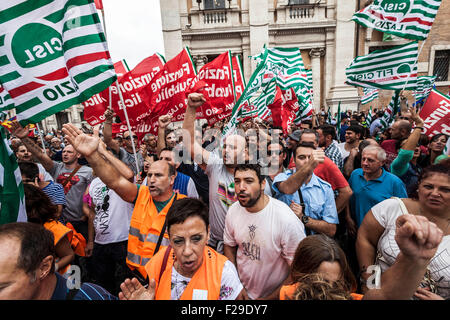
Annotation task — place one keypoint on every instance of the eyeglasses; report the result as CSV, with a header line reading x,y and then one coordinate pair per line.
x,y
128,138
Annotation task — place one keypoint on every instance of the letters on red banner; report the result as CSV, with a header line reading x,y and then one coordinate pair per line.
x,y
436,114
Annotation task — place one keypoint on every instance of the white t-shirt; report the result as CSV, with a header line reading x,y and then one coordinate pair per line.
x,y
45,175
386,213
266,242
344,153
112,216
230,285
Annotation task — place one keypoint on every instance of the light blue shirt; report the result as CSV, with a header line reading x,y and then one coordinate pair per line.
x,y
366,194
318,197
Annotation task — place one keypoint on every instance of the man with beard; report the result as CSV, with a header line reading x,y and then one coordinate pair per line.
x,y
219,170
261,235
148,222
74,178
314,202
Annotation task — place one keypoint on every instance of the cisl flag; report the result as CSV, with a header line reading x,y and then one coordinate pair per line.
x,y
6,102
53,54
436,114
410,19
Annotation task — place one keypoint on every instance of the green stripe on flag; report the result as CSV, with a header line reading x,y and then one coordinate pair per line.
x,y
4,61
81,77
84,40
81,22
27,105
9,77
2,40
21,9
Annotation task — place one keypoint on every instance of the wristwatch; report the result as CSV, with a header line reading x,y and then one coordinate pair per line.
x,y
305,219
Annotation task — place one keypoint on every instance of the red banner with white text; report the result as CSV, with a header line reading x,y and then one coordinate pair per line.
x,y
436,114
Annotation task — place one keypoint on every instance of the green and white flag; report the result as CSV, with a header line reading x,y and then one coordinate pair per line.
x,y
410,19
6,103
391,111
389,69
12,199
369,95
369,117
424,86
53,55
282,67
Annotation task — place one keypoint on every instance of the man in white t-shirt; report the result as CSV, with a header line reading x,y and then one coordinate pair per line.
x,y
219,170
261,235
353,136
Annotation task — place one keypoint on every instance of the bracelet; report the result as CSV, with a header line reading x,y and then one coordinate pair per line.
x,y
421,128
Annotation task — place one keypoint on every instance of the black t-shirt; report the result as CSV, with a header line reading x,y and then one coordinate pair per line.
x,y
199,177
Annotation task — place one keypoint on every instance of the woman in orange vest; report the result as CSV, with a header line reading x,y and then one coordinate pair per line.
x,y
322,255
188,269
41,210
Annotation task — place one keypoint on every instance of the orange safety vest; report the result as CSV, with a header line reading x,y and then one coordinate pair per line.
x,y
59,231
287,292
207,278
145,227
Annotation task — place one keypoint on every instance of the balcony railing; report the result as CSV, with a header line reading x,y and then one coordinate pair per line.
x,y
215,16
301,11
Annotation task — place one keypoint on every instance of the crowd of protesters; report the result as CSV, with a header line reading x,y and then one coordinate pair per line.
x,y
259,214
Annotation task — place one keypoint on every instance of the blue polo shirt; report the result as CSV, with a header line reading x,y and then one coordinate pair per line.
x,y
318,197
366,194
87,291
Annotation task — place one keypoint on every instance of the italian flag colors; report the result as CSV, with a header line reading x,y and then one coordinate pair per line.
x,y
12,198
53,54
410,19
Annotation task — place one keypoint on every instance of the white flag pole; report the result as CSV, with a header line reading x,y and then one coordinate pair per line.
x,y
128,125
40,136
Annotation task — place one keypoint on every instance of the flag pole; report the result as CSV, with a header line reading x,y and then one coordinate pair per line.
x,y
40,136
128,125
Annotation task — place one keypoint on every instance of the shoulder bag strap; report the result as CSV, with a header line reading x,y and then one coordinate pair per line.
x,y
307,231
164,263
163,230
71,175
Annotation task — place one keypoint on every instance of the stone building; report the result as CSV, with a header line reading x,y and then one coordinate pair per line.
x,y
321,29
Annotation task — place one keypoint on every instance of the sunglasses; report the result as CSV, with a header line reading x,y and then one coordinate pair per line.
x,y
128,138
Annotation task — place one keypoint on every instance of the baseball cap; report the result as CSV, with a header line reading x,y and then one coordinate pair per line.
x,y
295,135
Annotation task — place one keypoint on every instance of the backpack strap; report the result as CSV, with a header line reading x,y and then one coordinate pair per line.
x,y
71,175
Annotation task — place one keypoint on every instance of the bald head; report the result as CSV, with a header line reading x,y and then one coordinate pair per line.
x,y
401,129
234,150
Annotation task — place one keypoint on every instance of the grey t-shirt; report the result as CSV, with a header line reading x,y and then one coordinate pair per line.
x,y
74,189
128,159
221,196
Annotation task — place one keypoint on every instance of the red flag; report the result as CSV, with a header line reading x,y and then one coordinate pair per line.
x,y
436,114
99,4
129,82
284,108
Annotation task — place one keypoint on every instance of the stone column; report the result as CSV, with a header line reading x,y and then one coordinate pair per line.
x,y
200,61
171,27
316,55
259,27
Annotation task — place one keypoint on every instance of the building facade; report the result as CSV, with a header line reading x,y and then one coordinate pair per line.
x,y
321,29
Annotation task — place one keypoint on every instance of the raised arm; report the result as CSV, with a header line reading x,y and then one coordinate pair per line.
x,y
418,240
195,100
88,147
22,133
295,181
163,122
107,131
123,169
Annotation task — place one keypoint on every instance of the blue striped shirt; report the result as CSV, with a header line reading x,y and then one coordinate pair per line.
x,y
55,192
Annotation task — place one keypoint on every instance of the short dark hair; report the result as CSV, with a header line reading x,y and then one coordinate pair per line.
x,y
36,243
29,170
250,166
283,148
328,129
357,129
182,209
